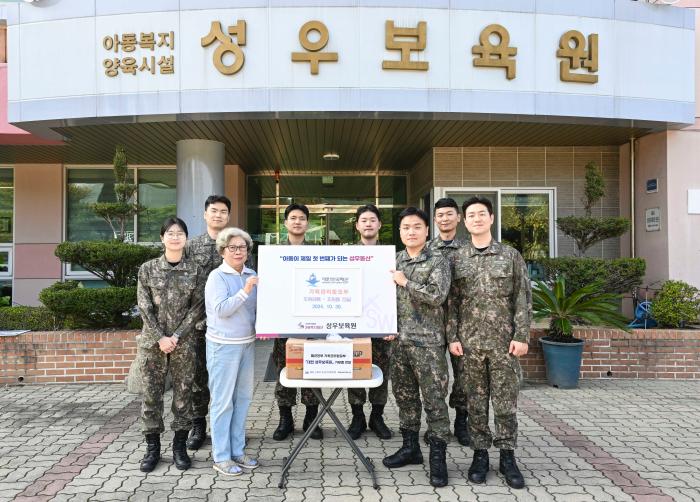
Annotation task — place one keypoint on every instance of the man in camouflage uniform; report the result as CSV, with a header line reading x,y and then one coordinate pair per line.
x,y
296,221
492,310
447,218
202,249
170,300
368,222
418,364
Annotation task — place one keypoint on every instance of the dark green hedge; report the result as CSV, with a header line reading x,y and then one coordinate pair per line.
x,y
619,275
90,307
33,318
115,262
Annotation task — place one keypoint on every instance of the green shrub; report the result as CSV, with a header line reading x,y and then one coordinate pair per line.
x,y
619,276
89,307
33,318
117,263
587,231
587,305
676,305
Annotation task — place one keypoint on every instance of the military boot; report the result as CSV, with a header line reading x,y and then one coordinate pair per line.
x,y
152,456
461,427
198,434
438,464
409,453
311,414
358,424
376,422
509,468
480,466
180,457
286,425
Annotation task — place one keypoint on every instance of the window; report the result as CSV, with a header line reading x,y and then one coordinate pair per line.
x,y
6,231
86,186
523,218
332,201
156,193
157,196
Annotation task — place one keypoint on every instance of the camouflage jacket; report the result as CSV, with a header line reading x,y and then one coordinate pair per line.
x,y
490,298
287,243
419,304
170,299
448,251
203,250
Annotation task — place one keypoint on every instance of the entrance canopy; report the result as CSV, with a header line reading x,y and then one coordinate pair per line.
x,y
298,145
262,75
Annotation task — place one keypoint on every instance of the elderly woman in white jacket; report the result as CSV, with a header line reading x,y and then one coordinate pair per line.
x,y
230,298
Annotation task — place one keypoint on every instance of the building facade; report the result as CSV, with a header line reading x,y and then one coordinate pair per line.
x,y
336,103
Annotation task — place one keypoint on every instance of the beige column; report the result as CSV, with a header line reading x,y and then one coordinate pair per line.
x,y
234,183
38,229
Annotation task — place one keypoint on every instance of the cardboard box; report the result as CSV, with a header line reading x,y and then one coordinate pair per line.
x,y
361,357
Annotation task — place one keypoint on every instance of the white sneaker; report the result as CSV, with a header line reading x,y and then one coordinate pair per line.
x,y
246,462
228,468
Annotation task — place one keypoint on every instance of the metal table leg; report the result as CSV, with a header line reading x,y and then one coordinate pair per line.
x,y
366,461
325,407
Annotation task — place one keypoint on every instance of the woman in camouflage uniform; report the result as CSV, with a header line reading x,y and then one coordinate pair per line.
x,y
170,302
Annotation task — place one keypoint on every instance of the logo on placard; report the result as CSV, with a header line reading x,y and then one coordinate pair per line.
x,y
312,280
306,326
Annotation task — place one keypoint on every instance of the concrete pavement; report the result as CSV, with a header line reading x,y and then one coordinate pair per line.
x,y
621,440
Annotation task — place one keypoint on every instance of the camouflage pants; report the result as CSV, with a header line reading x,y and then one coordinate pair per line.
x,y
287,396
381,355
200,386
492,375
421,372
154,366
458,396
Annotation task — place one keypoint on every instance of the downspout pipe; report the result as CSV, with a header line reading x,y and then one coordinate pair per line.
x,y
633,250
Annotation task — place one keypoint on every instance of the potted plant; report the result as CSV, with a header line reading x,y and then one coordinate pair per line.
x,y
587,305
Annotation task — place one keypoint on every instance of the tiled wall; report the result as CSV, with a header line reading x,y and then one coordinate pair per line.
x,y
560,167
420,179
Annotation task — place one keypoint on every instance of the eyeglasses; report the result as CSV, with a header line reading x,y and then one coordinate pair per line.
x,y
234,249
174,235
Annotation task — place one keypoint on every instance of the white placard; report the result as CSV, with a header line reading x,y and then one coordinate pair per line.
x,y
311,291
335,291
693,201
653,219
328,360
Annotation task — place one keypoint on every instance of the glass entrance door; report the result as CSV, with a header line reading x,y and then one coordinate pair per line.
x,y
331,225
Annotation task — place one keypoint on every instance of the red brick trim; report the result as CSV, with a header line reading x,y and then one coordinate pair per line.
x,y
67,356
609,353
105,356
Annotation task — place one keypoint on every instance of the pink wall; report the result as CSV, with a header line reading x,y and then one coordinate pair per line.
x,y
651,162
683,228
38,229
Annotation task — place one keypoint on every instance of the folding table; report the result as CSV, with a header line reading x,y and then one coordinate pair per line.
x,y
337,386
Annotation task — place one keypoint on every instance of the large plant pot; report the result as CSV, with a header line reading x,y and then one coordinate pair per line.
x,y
562,362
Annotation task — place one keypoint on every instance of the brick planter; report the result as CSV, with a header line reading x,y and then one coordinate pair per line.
x,y
105,356
67,356
610,353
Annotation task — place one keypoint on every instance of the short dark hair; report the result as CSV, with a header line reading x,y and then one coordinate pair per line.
x,y
447,202
367,208
213,199
414,211
477,200
172,221
296,207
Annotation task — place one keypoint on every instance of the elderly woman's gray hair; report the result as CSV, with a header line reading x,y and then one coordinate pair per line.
x,y
229,233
